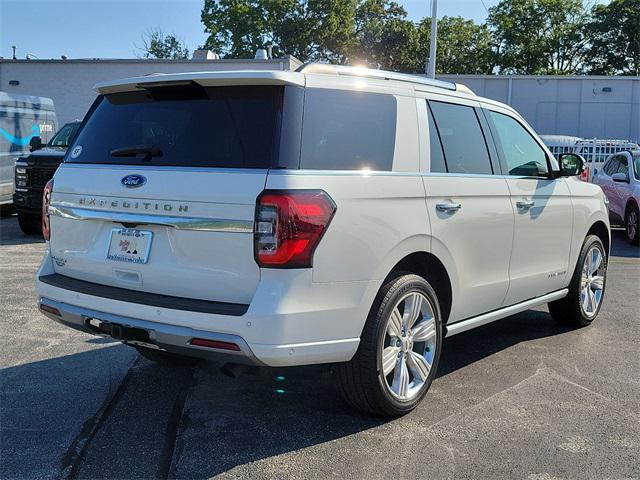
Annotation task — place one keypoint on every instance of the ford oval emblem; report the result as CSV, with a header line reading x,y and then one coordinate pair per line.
x,y
133,181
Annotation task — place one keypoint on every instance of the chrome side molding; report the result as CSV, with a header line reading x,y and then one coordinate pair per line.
x,y
179,223
464,325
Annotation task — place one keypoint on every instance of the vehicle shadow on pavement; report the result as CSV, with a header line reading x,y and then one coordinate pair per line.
x,y
80,414
474,345
620,247
229,423
10,233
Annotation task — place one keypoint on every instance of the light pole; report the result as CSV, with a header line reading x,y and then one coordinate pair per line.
x,y
431,61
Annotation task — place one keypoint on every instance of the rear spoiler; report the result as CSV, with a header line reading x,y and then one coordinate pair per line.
x,y
206,79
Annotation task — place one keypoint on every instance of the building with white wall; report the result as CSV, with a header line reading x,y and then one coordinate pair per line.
x,y
582,106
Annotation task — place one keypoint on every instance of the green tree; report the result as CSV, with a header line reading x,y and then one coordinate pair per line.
x,y
309,30
372,32
384,38
155,44
463,46
539,36
614,33
236,28
375,32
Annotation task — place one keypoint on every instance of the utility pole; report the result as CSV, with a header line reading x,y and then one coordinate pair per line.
x,y
431,61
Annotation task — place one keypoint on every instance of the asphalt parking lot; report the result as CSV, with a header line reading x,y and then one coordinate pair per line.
x,y
520,398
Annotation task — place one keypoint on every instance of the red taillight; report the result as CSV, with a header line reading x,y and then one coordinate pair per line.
x,y
219,344
584,176
46,199
289,225
49,309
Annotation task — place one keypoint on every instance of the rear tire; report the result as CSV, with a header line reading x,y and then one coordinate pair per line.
x,y
30,224
632,224
586,290
167,359
399,349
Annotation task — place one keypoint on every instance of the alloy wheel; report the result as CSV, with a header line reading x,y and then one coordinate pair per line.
x,y
632,224
592,282
408,350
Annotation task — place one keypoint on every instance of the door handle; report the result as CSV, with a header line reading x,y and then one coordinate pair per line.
x,y
448,207
525,204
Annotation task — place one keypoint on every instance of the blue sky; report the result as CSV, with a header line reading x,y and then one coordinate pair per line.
x,y
112,28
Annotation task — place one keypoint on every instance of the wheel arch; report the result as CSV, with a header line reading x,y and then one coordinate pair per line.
x,y
599,229
429,267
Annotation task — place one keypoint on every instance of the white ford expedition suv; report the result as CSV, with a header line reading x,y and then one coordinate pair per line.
x,y
329,215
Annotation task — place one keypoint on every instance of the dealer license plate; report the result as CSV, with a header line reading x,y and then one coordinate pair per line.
x,y
129,245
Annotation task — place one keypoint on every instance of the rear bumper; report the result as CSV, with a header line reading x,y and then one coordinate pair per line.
x,y
171,338
291,320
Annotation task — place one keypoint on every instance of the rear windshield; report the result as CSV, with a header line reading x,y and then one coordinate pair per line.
x,y
193,126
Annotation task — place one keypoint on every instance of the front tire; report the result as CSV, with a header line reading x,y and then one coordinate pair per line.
x,y
586,290
632,224
6,210
399,349
30,224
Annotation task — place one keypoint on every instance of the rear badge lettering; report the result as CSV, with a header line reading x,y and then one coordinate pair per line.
x,y
134,205
59,261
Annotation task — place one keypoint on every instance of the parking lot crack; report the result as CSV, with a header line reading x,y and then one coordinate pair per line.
x,y
172,447
72,459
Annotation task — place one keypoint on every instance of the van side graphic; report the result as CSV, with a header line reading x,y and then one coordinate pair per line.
x,y
22,141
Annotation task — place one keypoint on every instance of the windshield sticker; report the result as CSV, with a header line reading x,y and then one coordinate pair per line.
x,y
77,150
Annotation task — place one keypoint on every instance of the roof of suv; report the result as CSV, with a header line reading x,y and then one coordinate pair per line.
x,y
279,77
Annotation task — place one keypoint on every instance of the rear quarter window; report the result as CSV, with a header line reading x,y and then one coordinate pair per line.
x,y
347,130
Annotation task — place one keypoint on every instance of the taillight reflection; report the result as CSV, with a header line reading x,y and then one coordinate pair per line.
x,y
46,199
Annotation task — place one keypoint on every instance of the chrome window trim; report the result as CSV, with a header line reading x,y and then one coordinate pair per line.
x,y
360,173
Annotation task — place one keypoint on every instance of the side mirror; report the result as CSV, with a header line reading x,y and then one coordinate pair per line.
x,y
571,164
620,177
35,144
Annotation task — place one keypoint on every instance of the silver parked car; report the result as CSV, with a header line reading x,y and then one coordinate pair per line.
x,y
619,178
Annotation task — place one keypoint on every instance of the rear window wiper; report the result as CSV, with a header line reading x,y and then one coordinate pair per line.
x,y
144,152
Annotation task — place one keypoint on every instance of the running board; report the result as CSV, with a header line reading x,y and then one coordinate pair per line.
x,y
474,322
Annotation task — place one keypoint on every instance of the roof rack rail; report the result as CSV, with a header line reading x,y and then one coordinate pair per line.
x,y
329,69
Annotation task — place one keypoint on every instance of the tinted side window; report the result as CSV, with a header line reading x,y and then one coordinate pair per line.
x,y
345,130
624,164
465,150
522,154
612,166
437,156
64,136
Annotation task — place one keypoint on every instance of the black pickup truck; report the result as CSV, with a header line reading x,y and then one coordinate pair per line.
x,y
33,171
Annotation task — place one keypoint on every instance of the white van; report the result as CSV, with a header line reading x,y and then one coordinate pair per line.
x,y
558,144
23,119
330,215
